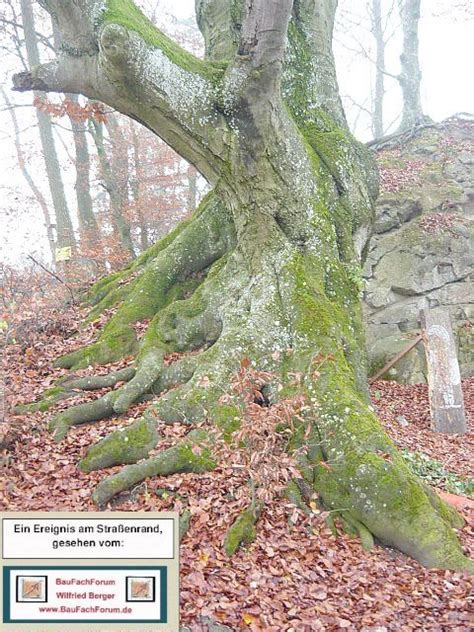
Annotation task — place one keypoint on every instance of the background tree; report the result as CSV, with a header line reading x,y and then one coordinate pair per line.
x,y
410,73
379,89
265,273
64,229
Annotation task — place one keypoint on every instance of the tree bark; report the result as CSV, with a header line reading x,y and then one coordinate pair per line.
x,y
192,189
137,188
88,225
268,268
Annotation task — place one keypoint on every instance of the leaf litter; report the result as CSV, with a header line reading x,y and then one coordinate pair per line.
x,y
296,575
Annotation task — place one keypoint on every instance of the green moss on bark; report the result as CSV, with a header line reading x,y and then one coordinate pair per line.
x,y
127,14
192,454
242,531
126,445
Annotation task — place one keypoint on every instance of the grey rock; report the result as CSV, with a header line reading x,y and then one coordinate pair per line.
x,y
408,267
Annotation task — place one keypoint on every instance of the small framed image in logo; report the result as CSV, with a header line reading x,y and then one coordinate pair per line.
x,y
140,589
32,588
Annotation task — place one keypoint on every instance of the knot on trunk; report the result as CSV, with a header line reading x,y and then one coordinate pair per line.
x,y
115,43
24,81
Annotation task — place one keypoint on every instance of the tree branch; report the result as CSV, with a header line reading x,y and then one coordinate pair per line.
x,y
264,31
254,78
117,56
264,36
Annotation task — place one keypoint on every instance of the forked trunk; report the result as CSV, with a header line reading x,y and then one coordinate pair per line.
x,y
267,269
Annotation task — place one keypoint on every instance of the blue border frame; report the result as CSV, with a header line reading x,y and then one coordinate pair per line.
x,y
163,594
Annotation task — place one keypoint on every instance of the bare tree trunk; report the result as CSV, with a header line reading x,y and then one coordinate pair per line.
x,y
64,228
192,188
28,177
120,171
136,188
114,185
410,75
379,91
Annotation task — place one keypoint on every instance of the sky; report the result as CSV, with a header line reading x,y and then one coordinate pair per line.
x,y
446,46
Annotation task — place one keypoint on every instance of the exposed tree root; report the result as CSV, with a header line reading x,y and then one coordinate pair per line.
x,y
95,382
243,529
165,277
192,454
280,320
127,445
50,398
148,370
67,388
90,411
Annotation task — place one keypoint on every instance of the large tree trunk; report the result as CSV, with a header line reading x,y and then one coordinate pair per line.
x,y
277,245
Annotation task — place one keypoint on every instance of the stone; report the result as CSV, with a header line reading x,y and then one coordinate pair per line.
x,y
402,420
410,266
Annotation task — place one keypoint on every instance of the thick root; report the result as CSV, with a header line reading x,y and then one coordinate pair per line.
x,y
147,372
68,388
363,474
99,294
168,276
96,382
110,348
243,531
124,446
175,374
50,398
84,413
190,455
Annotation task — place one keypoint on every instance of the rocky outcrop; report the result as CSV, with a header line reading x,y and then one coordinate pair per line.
x,y
422,252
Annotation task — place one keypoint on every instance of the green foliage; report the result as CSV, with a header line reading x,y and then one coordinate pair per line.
x,y
434,473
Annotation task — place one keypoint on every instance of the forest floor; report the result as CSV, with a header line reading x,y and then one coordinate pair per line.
x,y
296,575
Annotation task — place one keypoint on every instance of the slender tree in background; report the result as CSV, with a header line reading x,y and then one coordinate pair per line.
x,y
410,73
119,194
136,188
114,173
22,163
267,270
379,88
65,234
89,229
192,188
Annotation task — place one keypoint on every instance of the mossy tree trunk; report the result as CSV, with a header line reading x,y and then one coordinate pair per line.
x,y
268,267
